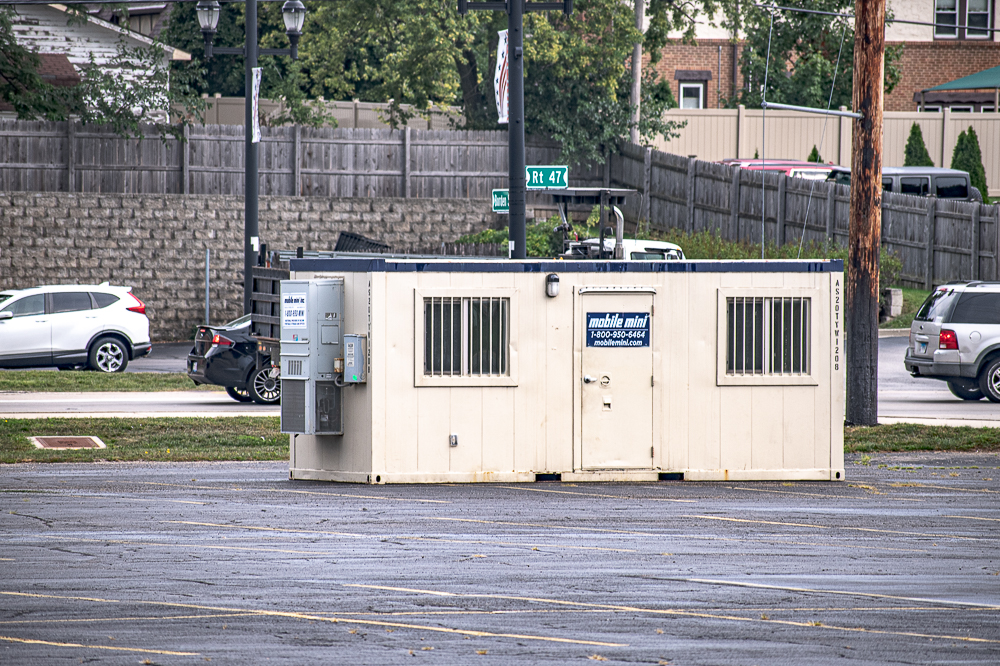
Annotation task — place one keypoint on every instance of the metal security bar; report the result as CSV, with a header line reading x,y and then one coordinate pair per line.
x,y
466,336
767,336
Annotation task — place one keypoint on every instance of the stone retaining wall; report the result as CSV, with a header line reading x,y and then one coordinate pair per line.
x,y
156,243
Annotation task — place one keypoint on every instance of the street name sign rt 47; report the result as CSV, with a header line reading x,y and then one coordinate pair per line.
x,y
546,177
501,202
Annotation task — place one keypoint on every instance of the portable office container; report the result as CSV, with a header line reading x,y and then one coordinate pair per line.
x,y
485,370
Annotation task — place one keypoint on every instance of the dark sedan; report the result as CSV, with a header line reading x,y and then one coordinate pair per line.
x,y
227,356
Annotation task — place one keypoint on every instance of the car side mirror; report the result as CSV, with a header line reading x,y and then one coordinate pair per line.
x,y
7,314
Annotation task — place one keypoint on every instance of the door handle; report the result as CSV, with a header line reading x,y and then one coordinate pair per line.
x,y
587,379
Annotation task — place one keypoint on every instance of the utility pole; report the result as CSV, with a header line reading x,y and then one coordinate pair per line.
x,y
640,16
517,185
865,232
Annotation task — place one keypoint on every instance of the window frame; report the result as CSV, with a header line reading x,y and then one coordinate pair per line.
x,y
422,380
700,85
962,19
722,378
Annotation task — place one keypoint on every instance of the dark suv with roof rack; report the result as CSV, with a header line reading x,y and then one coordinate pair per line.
x,y
955,337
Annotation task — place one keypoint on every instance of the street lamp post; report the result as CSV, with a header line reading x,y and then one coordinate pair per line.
x,y
293,12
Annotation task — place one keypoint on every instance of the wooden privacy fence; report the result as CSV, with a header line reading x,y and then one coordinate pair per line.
x,y
936,239
293,161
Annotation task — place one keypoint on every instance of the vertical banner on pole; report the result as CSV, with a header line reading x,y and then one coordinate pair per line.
x,y
255,109
501,81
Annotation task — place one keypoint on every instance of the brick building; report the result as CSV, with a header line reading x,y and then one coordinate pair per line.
x,y
964,42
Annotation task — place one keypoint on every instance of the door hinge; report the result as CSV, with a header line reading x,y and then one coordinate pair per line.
x,y
651,450
652,381
652,310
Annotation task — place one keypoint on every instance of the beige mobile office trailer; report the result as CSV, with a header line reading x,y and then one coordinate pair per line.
x,y
427,371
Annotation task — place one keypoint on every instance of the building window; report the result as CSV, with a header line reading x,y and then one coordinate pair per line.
x,y
465,338
961,109
978,16
767,339
946,14
931,109
692,95
963,19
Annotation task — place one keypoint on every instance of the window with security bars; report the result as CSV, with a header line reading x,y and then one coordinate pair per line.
x,y
466,336
767,336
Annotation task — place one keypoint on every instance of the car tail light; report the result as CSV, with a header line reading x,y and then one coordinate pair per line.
x,y
140,308
222,341
948,340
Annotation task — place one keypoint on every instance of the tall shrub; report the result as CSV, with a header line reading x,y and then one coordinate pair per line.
x,y
968,157
916,152
814,156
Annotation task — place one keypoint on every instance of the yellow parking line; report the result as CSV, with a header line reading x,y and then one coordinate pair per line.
x,y
31,641
129,619
272,529
183,545
870,595
554,527
834,527
296,492
674,612
323,618
625,497
964,490
975,518
793,492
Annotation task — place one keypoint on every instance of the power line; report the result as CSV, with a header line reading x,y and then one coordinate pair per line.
x,y
800,10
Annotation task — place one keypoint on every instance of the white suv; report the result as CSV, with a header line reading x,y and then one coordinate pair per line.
x,y
955,337
100,326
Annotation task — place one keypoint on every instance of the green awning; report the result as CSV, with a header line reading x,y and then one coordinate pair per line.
x,y
988,78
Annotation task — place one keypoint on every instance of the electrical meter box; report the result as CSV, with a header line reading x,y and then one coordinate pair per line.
x,y
355,358
312,343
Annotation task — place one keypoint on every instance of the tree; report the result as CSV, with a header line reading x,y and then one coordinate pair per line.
x,y
916,153
814,155
422,53
119,94
968,157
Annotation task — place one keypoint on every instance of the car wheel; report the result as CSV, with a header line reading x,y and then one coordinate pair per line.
x,y
238,394
989,380
265,386
108,355
965,391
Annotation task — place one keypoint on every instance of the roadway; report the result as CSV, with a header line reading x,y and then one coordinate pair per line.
x,y
901,397
232,563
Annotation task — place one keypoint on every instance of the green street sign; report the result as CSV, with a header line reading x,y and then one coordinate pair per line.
x,y
501,202
547,177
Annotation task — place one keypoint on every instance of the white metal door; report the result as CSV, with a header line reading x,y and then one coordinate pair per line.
x,y
617,374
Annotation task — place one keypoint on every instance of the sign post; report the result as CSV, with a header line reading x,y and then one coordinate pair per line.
x,y
515,61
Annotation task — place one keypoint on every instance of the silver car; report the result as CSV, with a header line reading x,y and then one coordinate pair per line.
x,y
955,337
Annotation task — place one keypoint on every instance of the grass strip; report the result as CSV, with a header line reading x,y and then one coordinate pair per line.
x,y
48,381
259,438
153,439
913,437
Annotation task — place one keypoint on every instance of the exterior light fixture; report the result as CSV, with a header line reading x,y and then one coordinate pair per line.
x,y
293,12
208,17
551,285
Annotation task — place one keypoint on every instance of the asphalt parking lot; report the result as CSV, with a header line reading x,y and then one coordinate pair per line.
x,y
233,563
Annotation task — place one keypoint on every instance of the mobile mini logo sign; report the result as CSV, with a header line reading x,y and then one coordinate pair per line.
x,y
293,311
618,329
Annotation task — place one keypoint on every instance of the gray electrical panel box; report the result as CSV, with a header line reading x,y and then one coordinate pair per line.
x,y
312,339
355,358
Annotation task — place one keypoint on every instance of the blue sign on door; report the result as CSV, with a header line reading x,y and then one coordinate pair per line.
x,y
618,329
